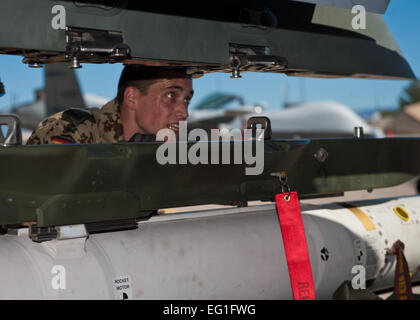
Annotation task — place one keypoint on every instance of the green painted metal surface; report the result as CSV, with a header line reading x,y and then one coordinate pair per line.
x,y
314,40
70,184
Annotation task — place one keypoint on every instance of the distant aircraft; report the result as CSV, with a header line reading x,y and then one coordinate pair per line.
x,y
317,119
61,91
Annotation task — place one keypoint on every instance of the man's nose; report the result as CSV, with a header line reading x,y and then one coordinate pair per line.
x,y
182,110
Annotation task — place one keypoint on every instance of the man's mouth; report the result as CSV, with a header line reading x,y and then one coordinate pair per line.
x,y
174,127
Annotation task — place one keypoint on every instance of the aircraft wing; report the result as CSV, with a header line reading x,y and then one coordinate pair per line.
x,y
61,91
375,6
292,37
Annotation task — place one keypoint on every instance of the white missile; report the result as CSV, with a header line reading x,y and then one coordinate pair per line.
x,y
234,253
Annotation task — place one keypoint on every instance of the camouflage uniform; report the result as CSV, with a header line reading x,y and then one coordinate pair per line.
x,y
81,126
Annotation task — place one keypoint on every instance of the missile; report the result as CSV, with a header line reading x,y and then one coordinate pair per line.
x,y
233,253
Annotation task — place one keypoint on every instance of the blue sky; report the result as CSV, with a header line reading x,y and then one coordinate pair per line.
x,y
402,17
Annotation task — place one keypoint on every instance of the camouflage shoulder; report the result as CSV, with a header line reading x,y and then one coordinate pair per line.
x,y
50,119
77,116
38,138
52,128
47,133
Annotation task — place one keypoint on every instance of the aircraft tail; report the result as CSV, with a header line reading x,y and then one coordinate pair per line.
x,y
62,89
61,92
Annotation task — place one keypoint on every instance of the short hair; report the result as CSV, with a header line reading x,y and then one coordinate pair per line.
x,y
142,77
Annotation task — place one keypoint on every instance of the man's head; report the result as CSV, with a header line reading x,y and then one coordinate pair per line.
x,y
153,98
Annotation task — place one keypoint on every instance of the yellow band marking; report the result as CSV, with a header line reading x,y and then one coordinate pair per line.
x,y
363,218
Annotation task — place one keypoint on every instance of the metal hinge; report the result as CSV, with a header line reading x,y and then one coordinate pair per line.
x,y
253,58
95,46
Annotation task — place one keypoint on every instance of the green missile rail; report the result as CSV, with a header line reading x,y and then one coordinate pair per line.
x,y
55,185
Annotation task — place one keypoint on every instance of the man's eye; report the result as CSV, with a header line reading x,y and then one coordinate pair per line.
x,y
170,95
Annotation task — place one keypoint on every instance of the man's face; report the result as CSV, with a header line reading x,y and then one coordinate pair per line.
x,y
164,105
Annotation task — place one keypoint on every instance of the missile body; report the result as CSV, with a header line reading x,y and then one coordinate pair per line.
x,y
232,253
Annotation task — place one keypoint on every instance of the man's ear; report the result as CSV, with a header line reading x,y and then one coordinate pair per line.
x,y
131,94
